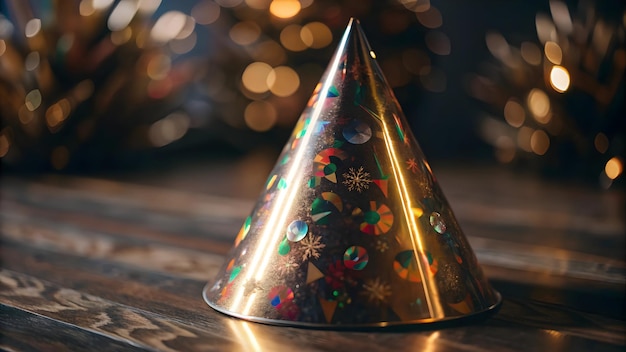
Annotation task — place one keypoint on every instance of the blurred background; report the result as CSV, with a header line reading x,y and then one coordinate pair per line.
x,y
100,86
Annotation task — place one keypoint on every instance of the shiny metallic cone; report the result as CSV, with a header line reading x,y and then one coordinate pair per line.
x,y
352,228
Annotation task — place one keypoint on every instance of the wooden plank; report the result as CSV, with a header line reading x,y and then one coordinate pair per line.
x,y
24,331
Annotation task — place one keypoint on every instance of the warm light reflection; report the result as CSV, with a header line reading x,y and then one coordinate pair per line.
x,y
57,113
270,52
254,77
101,4
168,26
270,237
258,4
561,16
33,100
559,79
316,35
169,129
283,81
613,168
545,28
539,142
285,8
122,14
530,53
291,39
497,45
86,8
553,52
260,116
182,46
514,113
205,12
159,67
121,37
147,7
245,33
416,5
242,330
33,26
505,149
539,105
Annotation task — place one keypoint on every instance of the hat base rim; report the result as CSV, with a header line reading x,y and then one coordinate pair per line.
x,y
394,325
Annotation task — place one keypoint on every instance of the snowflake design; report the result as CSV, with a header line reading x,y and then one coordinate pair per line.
x,y
287,266
357,180
376,290
381,246
311,246
411,164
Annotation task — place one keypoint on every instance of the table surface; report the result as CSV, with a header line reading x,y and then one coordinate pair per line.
x,y
114,263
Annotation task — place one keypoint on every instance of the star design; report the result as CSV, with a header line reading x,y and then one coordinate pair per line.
x,y
411,164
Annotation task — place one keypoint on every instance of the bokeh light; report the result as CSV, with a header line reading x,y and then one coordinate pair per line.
x,y
430,18
33,100
291,39
33,26
601,142
285,8
530,53
613,168
260,116
539,142
539,105
316,35
255,76
559,79
122,14
245,33
168,26
438,42
168,129
205,12
553,52
283,81
514,113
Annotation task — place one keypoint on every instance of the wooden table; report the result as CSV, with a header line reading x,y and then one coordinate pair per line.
x,y
102,264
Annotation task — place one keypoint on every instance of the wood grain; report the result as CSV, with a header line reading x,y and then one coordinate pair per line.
x,y
102,265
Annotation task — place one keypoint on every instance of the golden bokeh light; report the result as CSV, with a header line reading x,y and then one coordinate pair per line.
x,y
159,67
122,14
559,79
3,47
169,129
285,8
86,8
497,45
601,142
416,5
33,26
514,113
121,37
539,142
553,52
25,116
613,168
430,18
539,105
168,26
530,53
205,12
260,116
255,76
316,35
283,81
271,52
57,113
290,38
245,33
100,5
182,46
33,100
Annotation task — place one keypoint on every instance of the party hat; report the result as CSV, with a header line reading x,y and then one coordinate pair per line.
x,y
352,228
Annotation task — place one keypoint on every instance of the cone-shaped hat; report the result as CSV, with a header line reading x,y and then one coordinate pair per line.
x,y
352,228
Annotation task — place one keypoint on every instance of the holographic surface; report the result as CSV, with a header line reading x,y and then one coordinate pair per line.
x,y
352,228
